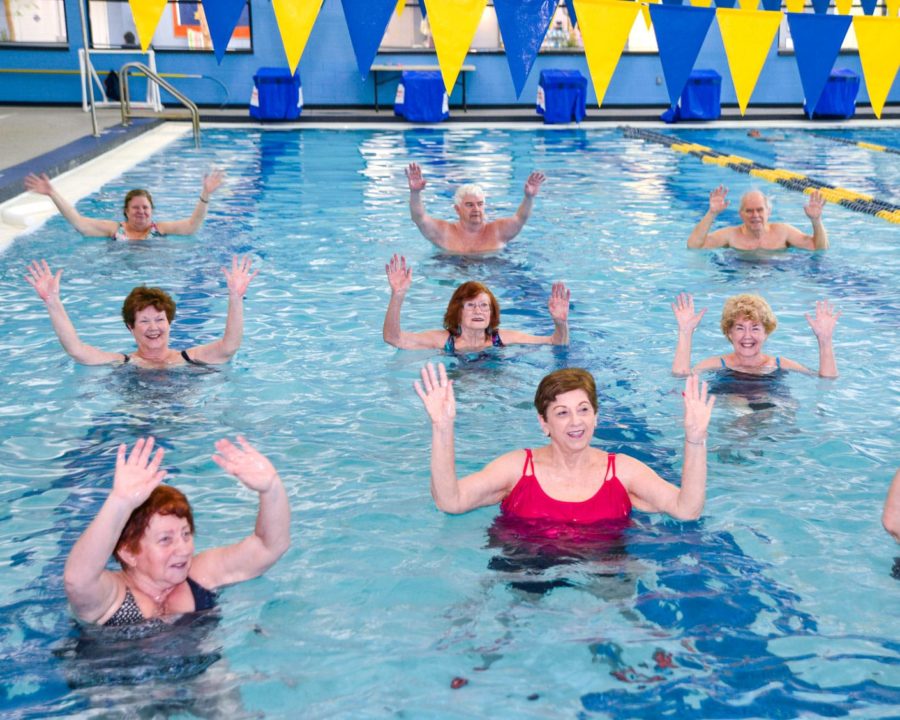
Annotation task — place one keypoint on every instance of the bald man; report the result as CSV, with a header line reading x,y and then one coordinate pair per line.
x,y
757,233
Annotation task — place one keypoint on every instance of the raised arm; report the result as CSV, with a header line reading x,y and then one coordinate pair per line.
x,y
819,239
90,227
189,226
700,236
399,276
823,326
650,492
46,285
271,536
683,307
90,587
558,304
487,487
890,517
433,229
512,226
223,349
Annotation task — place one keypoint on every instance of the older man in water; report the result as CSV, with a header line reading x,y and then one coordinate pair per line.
x,y
757,233
471,233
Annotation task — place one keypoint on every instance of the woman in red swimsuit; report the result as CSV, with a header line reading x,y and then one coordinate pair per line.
x,y
566,480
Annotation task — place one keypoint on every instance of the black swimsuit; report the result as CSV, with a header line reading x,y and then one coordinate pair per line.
x,y
184,354
130,614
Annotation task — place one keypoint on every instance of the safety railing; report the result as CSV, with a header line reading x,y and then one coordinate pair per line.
x,y
125,95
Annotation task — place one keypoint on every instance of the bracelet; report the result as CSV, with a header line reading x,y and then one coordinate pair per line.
x,y
204,201
694,442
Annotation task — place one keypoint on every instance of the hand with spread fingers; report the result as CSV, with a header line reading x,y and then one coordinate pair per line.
x,y
436,393
698,405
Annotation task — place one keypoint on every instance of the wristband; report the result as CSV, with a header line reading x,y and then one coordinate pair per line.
x,y
204,201
694,442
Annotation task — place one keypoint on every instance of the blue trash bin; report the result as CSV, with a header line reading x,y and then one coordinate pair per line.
x,y
838,99
277,95
561,96
701,97
421,96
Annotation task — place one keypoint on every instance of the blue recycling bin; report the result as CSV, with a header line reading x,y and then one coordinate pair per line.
x,y
701,97
561,96
421,96
277,95
838,99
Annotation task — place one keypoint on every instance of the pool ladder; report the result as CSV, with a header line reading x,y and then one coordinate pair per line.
x,y
125,102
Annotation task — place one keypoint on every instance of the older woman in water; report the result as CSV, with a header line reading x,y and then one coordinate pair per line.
x,y
138,211
747,321
149,528
472,319
566,480
148,314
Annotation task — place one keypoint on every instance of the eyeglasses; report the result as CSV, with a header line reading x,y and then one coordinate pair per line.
x,y
483,306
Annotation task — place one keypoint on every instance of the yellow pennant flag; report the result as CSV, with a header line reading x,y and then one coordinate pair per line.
x,y
879,55
795,6
400,5
645,11
748,4
747,36
605,26
843,6
295,21
893,6
146,14
701,3
453,25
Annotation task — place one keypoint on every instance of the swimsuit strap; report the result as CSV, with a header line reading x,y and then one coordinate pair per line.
x,y
450,345
778,362
127,358
610,466
495,339
528,461
203,599
722,360
188,359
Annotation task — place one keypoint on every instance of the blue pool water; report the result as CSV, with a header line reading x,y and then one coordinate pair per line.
x,y
778,603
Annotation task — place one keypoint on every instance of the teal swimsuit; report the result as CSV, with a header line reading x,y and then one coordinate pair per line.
x,y
450,345
154,232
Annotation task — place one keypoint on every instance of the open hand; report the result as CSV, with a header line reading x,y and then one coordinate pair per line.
x,y
683,307
398,274
240,276
559,303
246,463
718,200
533,183
824,321
698,407
436,393
815,205
38,184
414,177
212,182
138,474
42,279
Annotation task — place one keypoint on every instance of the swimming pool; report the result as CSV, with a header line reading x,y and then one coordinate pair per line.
x,y
779,602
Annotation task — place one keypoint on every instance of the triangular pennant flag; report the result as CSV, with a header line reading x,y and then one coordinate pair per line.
x,y
843,6
701,3
400,5
772,5
748,4
645,11
367,21
893,7
817,42
221,18
295,20
725,3
570,6
673,2
795,6
868,6
747,36
879,55
423,9
453,25
820,6
523,24
605,26
680,32
146,14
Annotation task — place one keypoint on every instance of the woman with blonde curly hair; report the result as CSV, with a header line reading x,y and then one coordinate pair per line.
x,y
747,321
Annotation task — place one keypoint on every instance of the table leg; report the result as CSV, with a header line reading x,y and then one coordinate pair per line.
x,y
464,90
375,77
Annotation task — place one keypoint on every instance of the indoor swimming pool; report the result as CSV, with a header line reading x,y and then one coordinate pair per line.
x,y
779,602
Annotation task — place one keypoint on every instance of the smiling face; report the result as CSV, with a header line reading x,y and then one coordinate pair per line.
x,y
151,330
747,336
754,211
139,212
570,420
165,550
476,313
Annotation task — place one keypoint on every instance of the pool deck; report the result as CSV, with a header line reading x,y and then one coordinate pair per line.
x,y
58,139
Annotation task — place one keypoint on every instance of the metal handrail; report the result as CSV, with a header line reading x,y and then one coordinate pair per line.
x,y
125,101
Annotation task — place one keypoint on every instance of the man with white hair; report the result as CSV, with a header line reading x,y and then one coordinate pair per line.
x,y
757,233
471,233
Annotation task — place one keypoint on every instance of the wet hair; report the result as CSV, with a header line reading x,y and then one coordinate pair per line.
x,y
132,194
143,297
467,291
563,381
753,307
766,201
164,500
467,189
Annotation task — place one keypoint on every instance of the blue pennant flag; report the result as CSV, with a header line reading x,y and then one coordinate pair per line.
x,y
817,42
725,3
680,32
868,6
423,9
673,2
570,6
771,5
367,21
820,6
221,17
523,24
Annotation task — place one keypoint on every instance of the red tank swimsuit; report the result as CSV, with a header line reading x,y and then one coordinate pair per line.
x,y
528,499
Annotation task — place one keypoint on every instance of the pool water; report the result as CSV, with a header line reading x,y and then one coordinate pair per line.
x,y
779,602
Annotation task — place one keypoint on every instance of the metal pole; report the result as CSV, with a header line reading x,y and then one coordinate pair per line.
x,y
89,66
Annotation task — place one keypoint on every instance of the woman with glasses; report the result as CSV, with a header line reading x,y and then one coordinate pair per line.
x,y
472,319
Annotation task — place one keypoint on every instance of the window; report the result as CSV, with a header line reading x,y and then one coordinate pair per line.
x,y
181,27
33,22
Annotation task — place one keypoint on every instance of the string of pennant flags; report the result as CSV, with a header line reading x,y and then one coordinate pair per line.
x,y
746,31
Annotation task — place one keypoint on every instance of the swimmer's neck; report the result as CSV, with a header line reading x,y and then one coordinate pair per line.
x,y
472,338
164,356
157,592
475,228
